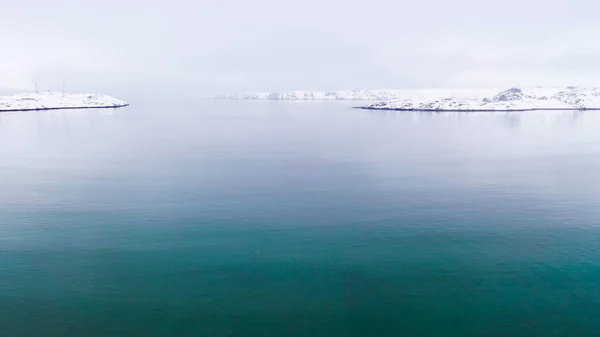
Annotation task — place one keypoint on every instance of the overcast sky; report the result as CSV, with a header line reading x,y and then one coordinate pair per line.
x,y
208,46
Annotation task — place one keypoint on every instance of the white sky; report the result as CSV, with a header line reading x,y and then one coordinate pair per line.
x,y
208,46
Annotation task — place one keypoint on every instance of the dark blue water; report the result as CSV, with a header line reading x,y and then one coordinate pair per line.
x,y
233,218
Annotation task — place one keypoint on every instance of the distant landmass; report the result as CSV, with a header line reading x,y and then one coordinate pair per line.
x,y
373,95
512,99
57,100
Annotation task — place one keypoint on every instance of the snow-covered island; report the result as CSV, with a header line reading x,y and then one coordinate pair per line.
x,y
57,100
513,99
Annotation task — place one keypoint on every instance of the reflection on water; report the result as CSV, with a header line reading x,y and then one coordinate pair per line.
x,y
512,119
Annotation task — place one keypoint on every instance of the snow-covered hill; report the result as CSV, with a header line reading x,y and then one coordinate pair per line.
x,y
51,101
513,99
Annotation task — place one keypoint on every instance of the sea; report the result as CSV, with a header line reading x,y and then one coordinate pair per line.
x,y
298,219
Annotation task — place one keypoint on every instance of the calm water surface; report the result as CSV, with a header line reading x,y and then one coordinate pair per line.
x,y
233,218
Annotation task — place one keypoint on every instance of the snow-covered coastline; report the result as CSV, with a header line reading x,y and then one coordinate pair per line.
x,y
57,100
513,99
349,95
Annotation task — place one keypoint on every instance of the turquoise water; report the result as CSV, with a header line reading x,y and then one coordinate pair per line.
x,y
232,218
